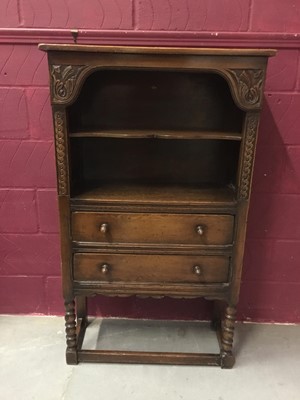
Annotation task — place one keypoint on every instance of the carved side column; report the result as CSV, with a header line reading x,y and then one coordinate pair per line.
x,y
227,333
250,132
61,153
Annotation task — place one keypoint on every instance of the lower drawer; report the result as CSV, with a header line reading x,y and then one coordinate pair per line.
x,y
150,268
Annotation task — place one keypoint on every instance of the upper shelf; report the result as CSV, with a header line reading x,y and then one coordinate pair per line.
x,y
154,102
159,134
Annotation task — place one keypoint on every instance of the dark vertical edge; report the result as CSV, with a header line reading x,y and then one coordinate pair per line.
x,y
80,331
81,307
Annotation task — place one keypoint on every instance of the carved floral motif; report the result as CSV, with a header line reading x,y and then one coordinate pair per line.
x,y
249,85
64,80
60,152
251,128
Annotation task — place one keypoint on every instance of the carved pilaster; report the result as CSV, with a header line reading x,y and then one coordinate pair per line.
x,y
249,151
248,85
60,148
63,81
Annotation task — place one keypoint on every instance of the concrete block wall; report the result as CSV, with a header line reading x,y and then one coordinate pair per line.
x,y
29,240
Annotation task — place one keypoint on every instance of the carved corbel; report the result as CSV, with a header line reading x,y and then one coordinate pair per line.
x,y
64,79
247,85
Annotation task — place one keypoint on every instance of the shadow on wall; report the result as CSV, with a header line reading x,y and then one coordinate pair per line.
x,y
149,308
273,216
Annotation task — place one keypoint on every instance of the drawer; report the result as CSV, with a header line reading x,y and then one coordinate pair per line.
x,y
150,268
202,229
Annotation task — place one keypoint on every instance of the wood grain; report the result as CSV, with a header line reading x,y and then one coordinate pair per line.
x,y
152,228
157,50
126,194
159,134
140,357
150,268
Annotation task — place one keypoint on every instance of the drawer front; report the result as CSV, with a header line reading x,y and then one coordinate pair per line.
x,y
203,229
150,268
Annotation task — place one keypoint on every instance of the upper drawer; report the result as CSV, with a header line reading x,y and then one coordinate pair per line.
x,y
200,229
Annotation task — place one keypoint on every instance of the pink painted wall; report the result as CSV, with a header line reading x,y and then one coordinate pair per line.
x,y
29,243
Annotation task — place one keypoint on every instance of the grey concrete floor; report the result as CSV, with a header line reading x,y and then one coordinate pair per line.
x,y
32,364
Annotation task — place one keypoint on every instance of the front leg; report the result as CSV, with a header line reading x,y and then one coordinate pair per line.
x,y
227,333
71,338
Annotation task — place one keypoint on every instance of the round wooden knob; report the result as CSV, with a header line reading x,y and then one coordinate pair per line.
x,y
104,228
200,229
104,268
197,270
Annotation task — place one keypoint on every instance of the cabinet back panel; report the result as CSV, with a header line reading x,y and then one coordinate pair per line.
x,y
196,162
149,100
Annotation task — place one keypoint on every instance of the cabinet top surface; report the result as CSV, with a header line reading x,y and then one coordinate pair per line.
x,y
158,50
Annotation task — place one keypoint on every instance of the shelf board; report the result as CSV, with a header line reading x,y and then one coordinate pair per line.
x,y
190,195
159,134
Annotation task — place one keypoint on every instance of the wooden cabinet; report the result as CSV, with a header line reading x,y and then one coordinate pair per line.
x,y
154,153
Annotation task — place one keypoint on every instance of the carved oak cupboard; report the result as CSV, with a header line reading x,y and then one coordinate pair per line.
x,y
154,154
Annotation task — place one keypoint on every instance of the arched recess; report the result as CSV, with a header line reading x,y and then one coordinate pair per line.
x,y
245,84
213,96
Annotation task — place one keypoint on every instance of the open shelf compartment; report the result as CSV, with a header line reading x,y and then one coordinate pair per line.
x,y
137,171
159,103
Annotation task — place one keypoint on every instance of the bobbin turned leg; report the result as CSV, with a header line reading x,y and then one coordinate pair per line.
x,y
227,332
70,318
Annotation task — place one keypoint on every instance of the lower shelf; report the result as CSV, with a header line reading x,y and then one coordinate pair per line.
x,y
186,336
190,195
